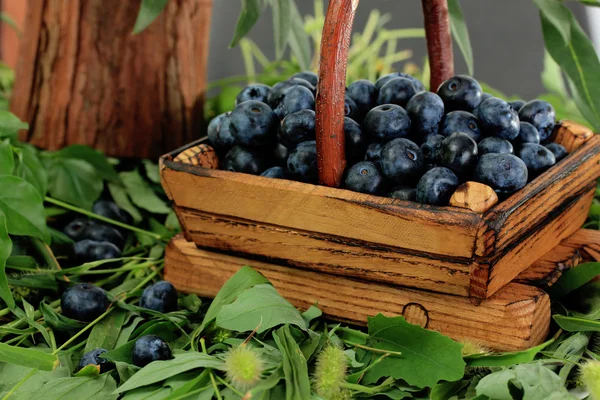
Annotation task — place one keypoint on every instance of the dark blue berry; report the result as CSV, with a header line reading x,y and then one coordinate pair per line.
x,y
497,118
461,121
558,150
364,177
279,154
459,153
356,141
93,358
517,104
256,91
275,172
295,99
437,186
431,147
396,91
84,302
302,162
419,87
540,114
104,233
351,109
110,210
373,152
90,250
460,93
387,122
364,94
536,157
150,348
402,161
305,83
253,124
308,76
406,193
495,145
160,296
297,127
76,228
505,173
247,161
277,91
528,134
219,134
426,110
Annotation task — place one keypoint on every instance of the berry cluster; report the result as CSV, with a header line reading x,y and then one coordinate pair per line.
x,y
401,141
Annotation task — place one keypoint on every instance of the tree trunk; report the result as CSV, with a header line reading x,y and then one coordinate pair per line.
x,y
83,78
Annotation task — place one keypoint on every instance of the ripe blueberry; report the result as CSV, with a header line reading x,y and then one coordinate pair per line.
x,y
90,250
402,161
110,210
537,158
431,147
505,173
517,104
461,121
83,302
104,233
364,94
426,110
540,114
253,124
256,91
150,348
275,172
373,152
279,154
76,228
396,91
277,91
459,153
437,186
350,109
160,296
406,193
497,118
364,177
387,122
248,161
219,134
460,93
297,127
305,83
93,358
302,162
356,141
558,150
419,87
528,134
495,145
295,99
308,76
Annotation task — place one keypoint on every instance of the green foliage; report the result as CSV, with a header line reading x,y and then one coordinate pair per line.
x,y
32,358
149,11
460,33
295,368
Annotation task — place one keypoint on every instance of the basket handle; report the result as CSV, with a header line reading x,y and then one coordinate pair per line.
x,y
439,41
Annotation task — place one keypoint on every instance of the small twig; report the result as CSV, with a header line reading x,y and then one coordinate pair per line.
x,y
373,349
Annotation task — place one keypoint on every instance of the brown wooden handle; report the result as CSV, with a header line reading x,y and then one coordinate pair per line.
x,y
331,91
439,41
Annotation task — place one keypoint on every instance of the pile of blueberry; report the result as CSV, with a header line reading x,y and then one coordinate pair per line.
x,y
401,141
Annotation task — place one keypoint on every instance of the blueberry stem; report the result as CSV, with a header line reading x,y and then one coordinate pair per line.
x,y
86,328
103,219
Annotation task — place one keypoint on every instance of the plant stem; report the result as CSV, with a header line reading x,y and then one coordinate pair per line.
x,y
373,349
212,378
367,389
234,390
103,219
18,385
439,41
87,327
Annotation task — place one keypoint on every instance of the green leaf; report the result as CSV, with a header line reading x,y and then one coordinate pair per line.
x,y
552,77
141,194
460,33
73,181
281,25
88,370
506,359
4,17
248,17
59,321
445,390
31,358
576,324
158,371
7,161
23,207
298,38
5,249
574,278
105,333
31,169
259,307
88,387
311,314
571,349
10,125
297,384
427,357
92,157
151,171
192,302
121,198
149,11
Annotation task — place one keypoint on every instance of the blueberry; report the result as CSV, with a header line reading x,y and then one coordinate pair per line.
x,y
150,348
558,150
93,358
364,94
297,127
373,152
275,172
248,161
497,118
219,134
459,153
437,186
430,148
308,76
402,161
76,228
160,296
256,91
91,250
396,91
495,145
536,157
517,104
104,233
302,162
305,83
351,109
460,93
277,92
505,173
279,154
364,177
426,111
387,122
295,99
419,87
527,134
356,141
83,302
540,114
406,193
461,121
110,210
253,124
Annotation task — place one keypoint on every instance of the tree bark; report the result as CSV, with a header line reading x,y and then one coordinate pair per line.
x,y
84,78
439,41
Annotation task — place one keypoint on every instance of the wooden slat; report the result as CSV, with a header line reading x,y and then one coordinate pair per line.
x,y
327,254
517,317
588,240
571,135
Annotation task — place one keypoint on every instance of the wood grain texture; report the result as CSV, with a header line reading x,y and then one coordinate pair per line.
x,y
202,155
515,318
474,196
588,241
84,78
571,135
9,40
